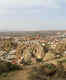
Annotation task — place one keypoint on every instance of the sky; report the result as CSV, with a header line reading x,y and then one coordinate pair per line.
x,y
19,15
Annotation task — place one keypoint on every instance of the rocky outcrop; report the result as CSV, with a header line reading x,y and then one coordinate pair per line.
x,y
49,56
27,51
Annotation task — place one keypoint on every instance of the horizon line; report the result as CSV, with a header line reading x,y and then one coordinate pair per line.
x,y
29,30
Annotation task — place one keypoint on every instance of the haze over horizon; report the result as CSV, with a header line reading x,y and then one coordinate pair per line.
x,y
20,15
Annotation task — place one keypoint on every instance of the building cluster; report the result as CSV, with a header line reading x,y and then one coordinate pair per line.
x,y
30,49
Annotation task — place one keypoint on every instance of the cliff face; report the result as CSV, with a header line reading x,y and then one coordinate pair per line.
x,y
29,51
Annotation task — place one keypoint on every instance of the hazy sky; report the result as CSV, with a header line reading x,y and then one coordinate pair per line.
x,y
32,15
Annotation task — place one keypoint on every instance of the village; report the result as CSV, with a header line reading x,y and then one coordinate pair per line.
x,y
31,50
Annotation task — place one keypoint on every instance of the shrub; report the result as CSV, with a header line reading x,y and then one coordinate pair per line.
x,y
6,67
64,61
39,60
3,68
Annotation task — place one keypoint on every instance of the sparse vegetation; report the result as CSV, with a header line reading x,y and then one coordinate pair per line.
x,y
42,73
6,67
